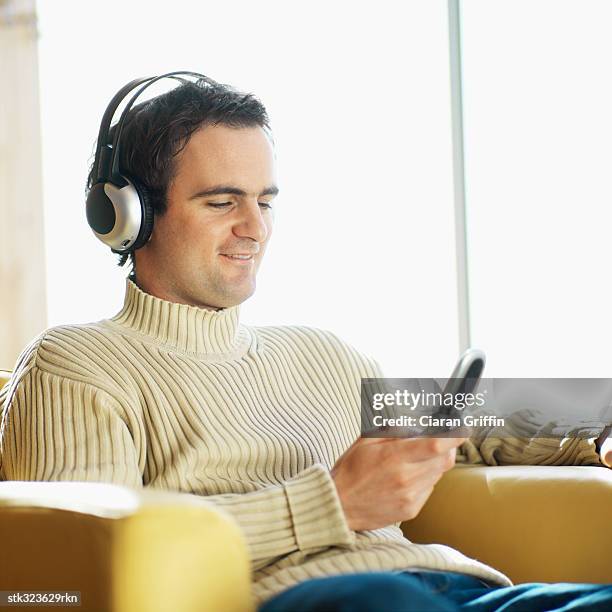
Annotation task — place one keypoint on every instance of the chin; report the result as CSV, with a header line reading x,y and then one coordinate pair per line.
x,y
234,298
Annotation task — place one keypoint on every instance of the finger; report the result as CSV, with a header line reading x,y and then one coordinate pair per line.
x,y
423,449
428,470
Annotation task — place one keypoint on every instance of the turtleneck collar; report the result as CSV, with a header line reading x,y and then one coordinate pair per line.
x,y
181,326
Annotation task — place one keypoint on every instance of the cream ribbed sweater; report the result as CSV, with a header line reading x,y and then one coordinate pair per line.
x,y
180,398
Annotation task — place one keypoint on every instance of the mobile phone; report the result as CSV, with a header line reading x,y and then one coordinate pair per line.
x,y
464,378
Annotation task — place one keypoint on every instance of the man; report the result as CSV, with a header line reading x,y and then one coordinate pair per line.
x,y
174,393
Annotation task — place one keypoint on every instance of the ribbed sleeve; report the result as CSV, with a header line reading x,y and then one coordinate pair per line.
x,y
55,428
303,514
317,514
527,440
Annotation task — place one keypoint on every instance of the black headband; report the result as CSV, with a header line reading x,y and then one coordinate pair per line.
x,y
106,164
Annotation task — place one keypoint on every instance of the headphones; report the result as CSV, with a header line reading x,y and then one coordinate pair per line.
x,y
119,209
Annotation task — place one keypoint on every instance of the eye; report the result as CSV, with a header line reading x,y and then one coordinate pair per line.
x,y
267,205
219,204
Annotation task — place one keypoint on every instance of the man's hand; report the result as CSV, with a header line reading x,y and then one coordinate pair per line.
x,y
606,452
382,481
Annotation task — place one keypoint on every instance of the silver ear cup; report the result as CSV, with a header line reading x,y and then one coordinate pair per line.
x,y
146,226
121,235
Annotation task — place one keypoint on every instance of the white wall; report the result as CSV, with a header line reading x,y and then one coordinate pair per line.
x,y
358,94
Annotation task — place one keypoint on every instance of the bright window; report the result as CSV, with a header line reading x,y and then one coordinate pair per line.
x,y
538,128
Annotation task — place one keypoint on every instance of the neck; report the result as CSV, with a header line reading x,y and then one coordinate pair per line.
x,y
182,327
164,293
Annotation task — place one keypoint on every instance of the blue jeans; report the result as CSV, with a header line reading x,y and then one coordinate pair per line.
x,y
426,591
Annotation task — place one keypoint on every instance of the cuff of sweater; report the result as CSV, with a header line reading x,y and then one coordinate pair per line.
x,y
316,511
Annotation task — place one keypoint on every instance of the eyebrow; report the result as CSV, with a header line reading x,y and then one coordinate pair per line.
x,y
230,189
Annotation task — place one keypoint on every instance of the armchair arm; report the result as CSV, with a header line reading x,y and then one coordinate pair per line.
x,y
125,550
534,523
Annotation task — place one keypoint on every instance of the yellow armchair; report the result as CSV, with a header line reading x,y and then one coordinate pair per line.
x,y
124,550
534,523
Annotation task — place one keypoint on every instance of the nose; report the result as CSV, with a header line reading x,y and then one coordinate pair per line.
x,y
251,223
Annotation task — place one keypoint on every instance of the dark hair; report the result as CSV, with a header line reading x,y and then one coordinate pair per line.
x,y
157,130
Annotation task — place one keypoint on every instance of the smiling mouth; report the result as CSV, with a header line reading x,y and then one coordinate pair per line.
x,y
238,257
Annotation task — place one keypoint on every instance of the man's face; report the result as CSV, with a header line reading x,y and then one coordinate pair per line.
x,y
206,248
